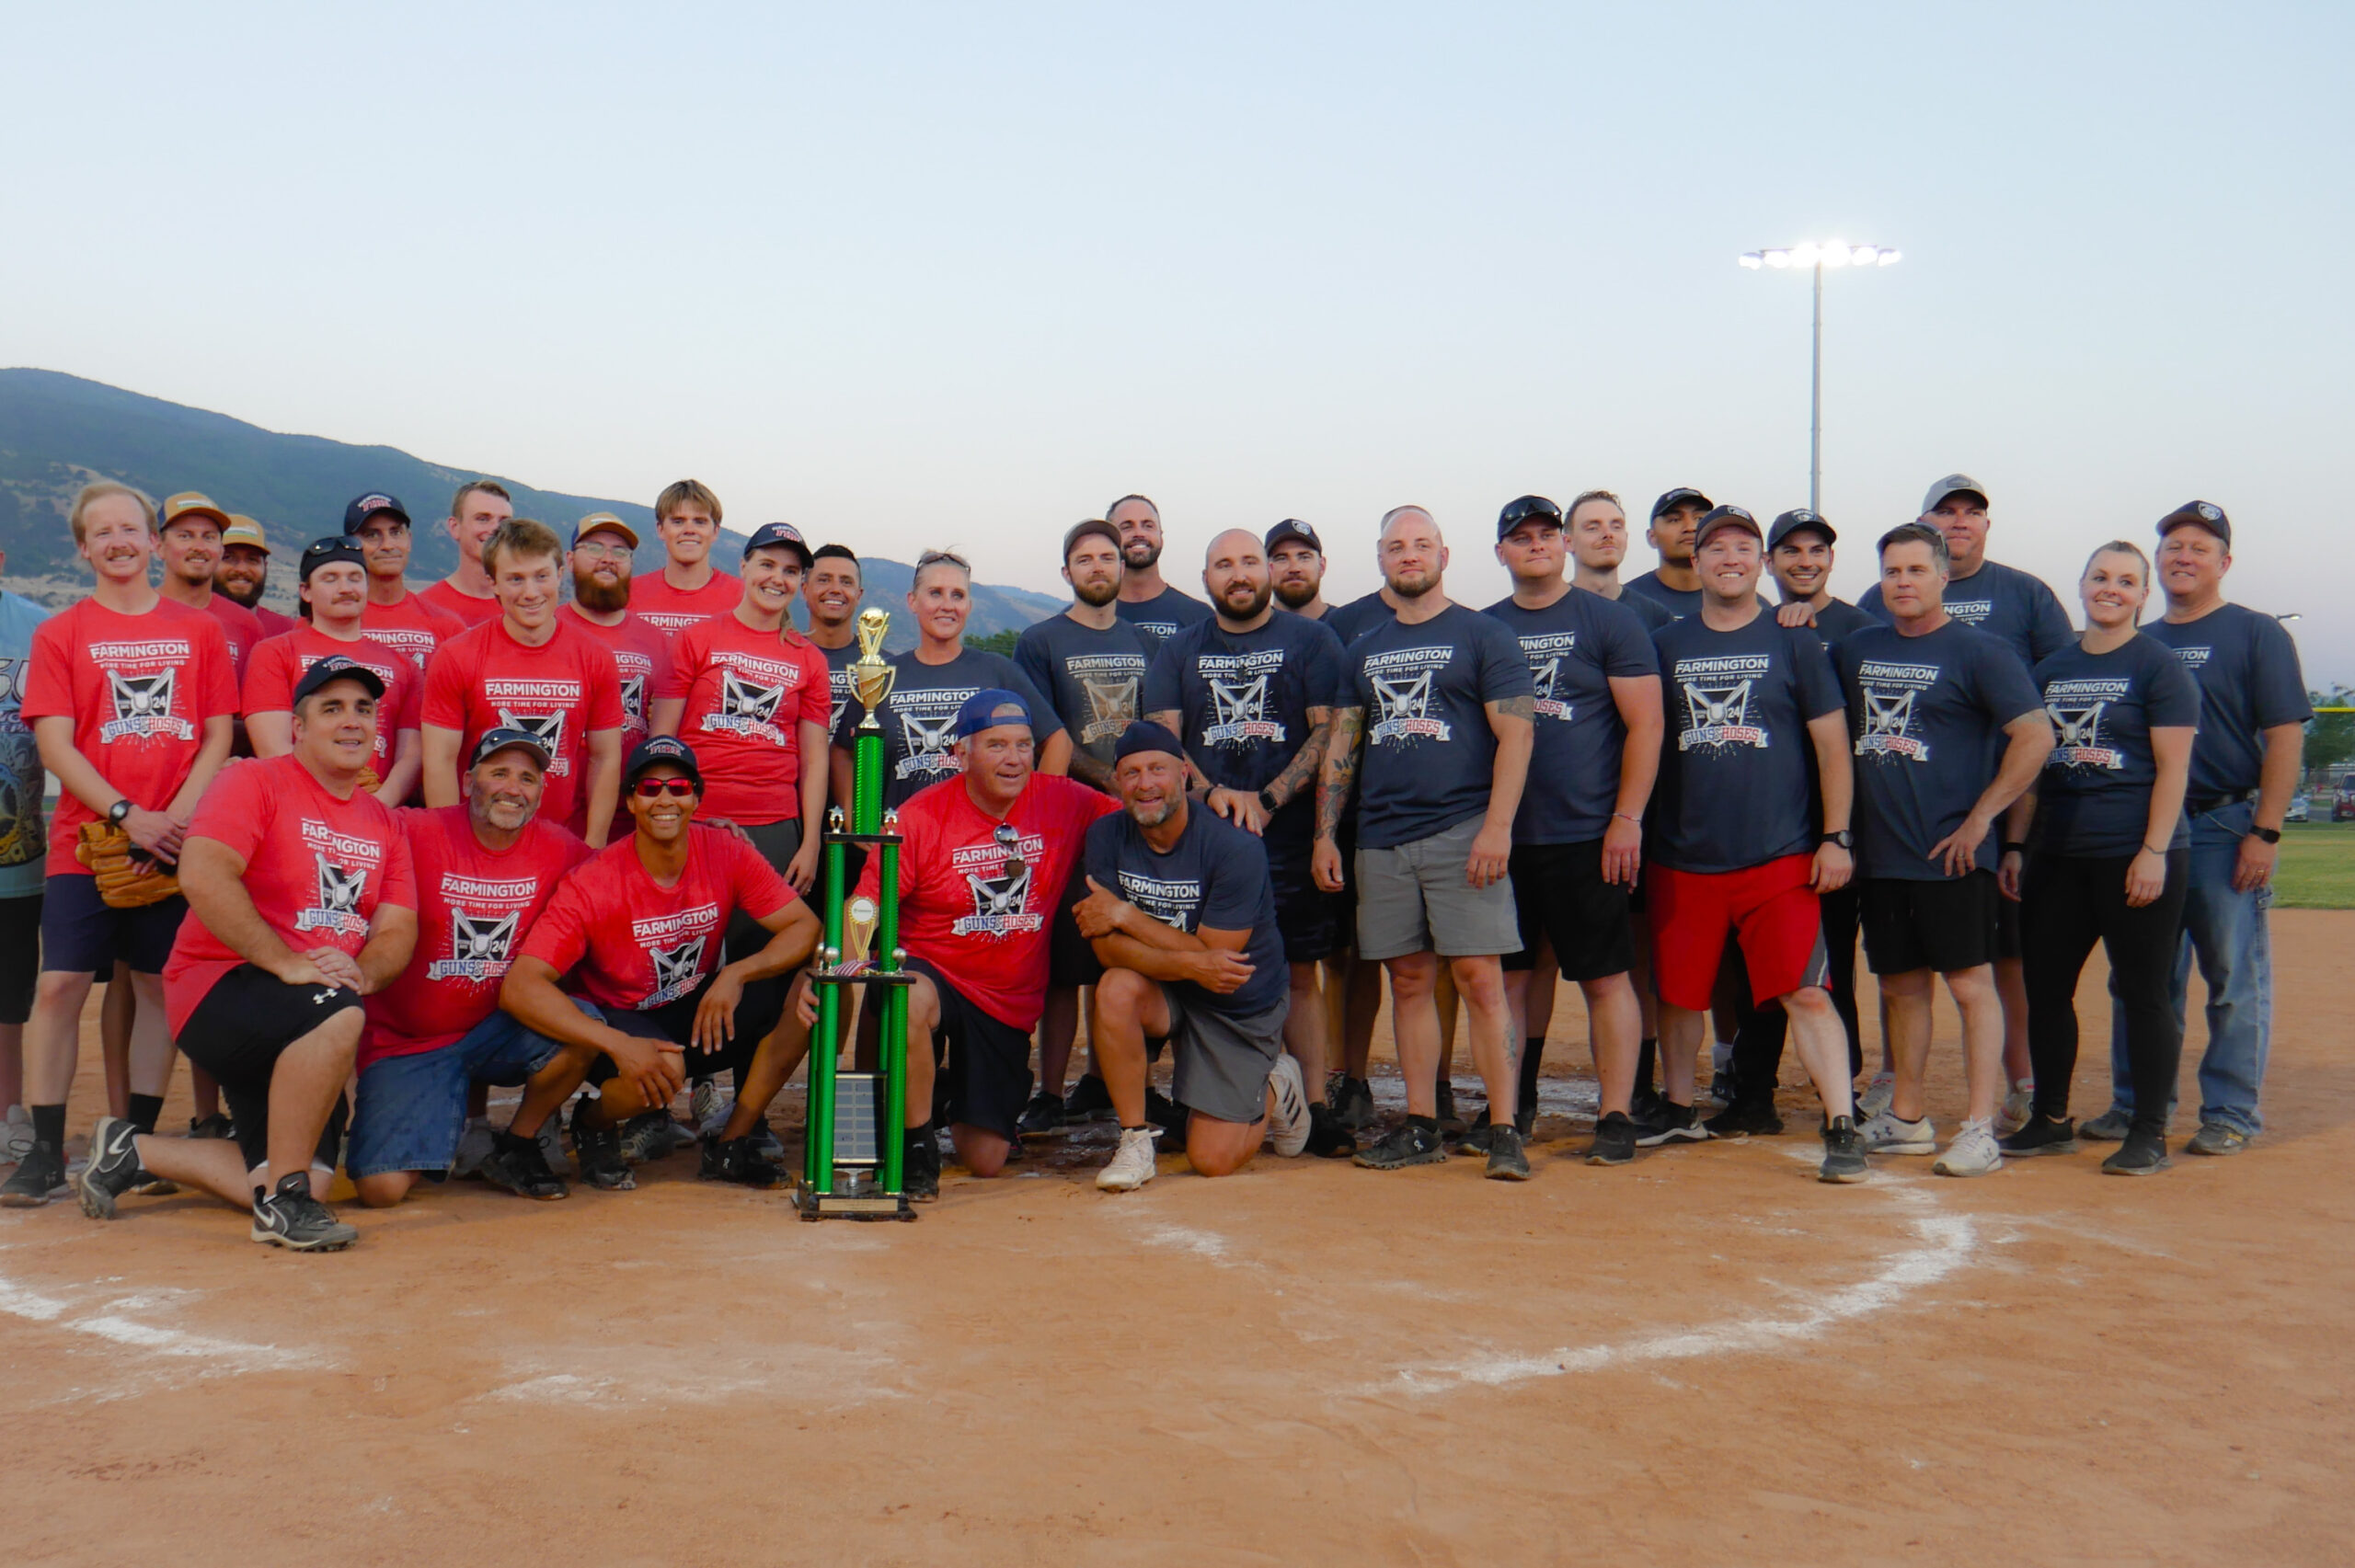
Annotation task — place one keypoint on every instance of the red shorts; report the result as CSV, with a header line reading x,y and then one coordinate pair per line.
x,y
1770,909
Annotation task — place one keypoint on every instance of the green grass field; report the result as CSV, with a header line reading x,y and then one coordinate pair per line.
x,y
2317,869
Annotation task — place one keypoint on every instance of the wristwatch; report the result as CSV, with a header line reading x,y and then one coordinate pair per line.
x,y
1845,839
2267,835
1266,804
122,808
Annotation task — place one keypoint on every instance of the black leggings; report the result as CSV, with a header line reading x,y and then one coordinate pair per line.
x,y
2067,903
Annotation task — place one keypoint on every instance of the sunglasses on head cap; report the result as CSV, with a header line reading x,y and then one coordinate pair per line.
x,y
1530,509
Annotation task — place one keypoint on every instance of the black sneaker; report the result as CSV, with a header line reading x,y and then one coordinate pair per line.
x,y
598,1153
39,1176
1614,1140
765,1142
1407,1145
1473,1140
1040,1116
1088,1101
2041,1136
293,1218
736,1159
1722,1086
1647,1105
2143,1154
645,1136
1524,1120
214,1125
1328,1139
1449,1124
920,1168
519,1166
1675,1124
1844,1153
1505,1162
1167,1114
114,1169
1352,1102
1753,1118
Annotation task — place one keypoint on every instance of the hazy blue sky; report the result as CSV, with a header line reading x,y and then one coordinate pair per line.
x,y
934,275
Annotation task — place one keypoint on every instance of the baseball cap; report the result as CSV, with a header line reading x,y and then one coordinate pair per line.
x,y
1143,734
363,508
1679,497
1292,528
334,666
771,535
1719,518
1952,485
657,749
1527,509
2202,514
243,530
326,552
985,709
1095,527
1797,519
189,503
606,520
499,739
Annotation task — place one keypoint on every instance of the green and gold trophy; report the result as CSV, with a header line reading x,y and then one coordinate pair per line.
x,y
851,1168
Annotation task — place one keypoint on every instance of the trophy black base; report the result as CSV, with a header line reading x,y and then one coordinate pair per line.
x,y
864,1205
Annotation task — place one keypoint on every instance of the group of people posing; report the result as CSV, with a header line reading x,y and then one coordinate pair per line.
x,y
551,824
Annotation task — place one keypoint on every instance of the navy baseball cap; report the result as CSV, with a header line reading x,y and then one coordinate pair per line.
x,y
1797,520
1682,495
327,552
2199,514
1292,528
771,534
1721,517
505,738
1143,734
1526,508
363,508
986,709
334,666
656,749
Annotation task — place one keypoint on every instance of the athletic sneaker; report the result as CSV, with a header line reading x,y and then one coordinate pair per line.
x,y
1088,1101
2110,1127
1352,1100
293,1218
1165,1114
114,1169
1506,1161
1876,1095
1843,1153
214,1125
2042,1137
1473,1140
1406,1144
1132,1163
920,1166
474,1145
646,1136
2143,1154
2216,1138
16,1135
769,1145
1676,1124
736,1160
2018,1105
1888,1133
1448,1122
708,1108
1040,1116
1647,1105
1753,1118
1328,1139
551,1142
1722,1086
519,1166
597,1154
1614,1140
41,1176
1288,1127
1970,1153
1525,1119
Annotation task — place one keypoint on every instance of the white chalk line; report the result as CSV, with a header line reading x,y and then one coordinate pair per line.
x,y
112,1323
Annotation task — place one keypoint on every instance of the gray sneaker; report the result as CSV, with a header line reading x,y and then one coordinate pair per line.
x,y
2108,1127
1887,1133
1973,1152
2216,1138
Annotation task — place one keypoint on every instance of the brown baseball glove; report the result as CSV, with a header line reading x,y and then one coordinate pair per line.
x,y
369,782
123,883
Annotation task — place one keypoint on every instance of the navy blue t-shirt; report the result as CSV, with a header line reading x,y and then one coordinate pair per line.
x,y
1678,602
919,718
1166,616
1836,621
1351,620
1926,717
1737,770
1092,677
2094,797
2246,667
2004,602
1242,701
838,663
1429,756
1650,610
1575,647
1216,877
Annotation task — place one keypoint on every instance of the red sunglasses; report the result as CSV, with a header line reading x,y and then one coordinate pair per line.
x,y
652,789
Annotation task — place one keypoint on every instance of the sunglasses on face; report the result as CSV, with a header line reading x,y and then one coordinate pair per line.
x,y
654,789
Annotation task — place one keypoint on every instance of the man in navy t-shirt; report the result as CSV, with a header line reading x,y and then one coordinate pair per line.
x,y
1673,584
1145,600
2244,769
1184,919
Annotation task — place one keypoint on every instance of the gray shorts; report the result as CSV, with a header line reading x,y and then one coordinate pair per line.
x,y
1222,1061
1413,899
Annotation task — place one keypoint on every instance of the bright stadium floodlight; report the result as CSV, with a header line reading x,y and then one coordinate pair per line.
x,y
1816,257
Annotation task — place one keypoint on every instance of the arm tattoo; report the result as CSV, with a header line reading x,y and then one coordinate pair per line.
x,y
1089,770
1339,772
1521,708
1300,771
1171,720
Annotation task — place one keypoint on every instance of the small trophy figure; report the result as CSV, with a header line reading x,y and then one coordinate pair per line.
x,y
859,916
870,678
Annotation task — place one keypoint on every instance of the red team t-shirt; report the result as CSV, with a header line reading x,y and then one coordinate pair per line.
x,y
274,624
473,906
630,944
671,611
966,911
279,662
748,695
316,868
463,608
413,627
642,657
138,689
562,691
241,626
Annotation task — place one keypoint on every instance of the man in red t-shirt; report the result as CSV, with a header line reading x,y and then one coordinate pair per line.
x,y
302,903
602,564
476,511
981,875
530,669
402,620
689,587
637,931
484,872
242,571
130,701
188,545
335,587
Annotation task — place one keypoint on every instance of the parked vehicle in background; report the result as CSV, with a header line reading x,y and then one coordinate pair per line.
x,y
2297,812
2342,805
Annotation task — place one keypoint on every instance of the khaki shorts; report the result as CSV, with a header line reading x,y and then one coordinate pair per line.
x,y
1413,899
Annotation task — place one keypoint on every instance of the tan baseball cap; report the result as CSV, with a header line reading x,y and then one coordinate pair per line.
x,y
243,530
607,520
189,503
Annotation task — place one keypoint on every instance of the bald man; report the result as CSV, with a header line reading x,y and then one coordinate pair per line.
x,y
1250,692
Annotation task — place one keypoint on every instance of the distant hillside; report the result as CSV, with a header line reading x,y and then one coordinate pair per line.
x,y
58,431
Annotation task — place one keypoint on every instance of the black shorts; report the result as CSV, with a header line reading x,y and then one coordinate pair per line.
x,y
1071,957
988,1080
1308,919
79,935
1942,926
2007,927
237,1032
673,1022
1559,894
19,956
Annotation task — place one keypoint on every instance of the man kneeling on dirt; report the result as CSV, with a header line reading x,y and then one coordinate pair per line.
x,y
1183,915
301,902
638,926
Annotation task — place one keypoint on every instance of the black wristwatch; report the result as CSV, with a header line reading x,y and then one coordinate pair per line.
x,y
1266,804
122,808
1845,839
2267,835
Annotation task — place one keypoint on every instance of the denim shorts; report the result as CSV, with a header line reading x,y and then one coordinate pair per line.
x,y
412,1109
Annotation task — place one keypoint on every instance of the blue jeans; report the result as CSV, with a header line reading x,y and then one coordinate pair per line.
x,y
412,1109
2227,931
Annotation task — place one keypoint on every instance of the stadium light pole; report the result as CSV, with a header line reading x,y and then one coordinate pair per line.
x,y
1834,253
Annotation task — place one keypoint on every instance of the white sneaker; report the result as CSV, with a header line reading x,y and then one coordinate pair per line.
x,y
1876,1098
1288,1127
1888,1133
709,1107
475,1146
1973,1152
17,1136
2017,1106
1132,1163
